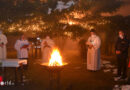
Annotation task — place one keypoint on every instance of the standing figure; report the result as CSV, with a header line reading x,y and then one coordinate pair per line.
x,y
3,42
46,48
93,54
121,48
22,47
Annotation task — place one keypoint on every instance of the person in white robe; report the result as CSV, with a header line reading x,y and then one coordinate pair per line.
x,y
93,54
22,48
46,48
3,42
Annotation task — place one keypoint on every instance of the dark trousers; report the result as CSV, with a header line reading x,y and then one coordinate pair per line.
x,y
122,65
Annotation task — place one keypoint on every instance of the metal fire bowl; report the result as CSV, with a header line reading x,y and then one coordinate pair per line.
x,y
53,68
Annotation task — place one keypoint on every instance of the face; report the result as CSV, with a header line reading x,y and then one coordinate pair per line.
x,y
92,33
121,33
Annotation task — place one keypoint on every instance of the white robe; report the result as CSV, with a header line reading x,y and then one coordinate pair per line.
x,y
46,51
93,54
3,40
21,53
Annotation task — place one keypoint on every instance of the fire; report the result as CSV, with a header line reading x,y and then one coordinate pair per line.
x,y
56,58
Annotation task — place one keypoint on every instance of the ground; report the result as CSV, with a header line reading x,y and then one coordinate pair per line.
x,y
74,76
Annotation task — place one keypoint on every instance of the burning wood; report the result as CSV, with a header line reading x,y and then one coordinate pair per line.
x,y
56,58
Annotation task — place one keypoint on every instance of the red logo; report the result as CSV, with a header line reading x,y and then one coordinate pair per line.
x,y
1,79
129,64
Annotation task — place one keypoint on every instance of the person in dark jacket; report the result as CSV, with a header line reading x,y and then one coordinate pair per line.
x,y
121,47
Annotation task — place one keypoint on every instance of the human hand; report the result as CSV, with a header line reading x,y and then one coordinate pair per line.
x,y
90,46
88,43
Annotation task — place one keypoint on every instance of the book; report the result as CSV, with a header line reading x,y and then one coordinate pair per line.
x,y
25,46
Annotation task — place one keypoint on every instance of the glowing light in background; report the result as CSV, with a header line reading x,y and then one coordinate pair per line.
x,y
35,25
77,14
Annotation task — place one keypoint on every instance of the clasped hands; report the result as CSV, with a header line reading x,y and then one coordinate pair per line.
x,y
89,45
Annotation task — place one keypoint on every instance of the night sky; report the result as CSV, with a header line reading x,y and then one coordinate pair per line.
x,y
125,9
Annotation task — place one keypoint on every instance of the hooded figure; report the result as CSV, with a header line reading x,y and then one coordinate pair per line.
x,y
46,48
93,54
3,42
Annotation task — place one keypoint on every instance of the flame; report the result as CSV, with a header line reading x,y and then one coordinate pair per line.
x,y
56,58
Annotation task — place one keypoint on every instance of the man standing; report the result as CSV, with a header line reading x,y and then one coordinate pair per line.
x,y
121,47
46,48
22,47
3,42
93,54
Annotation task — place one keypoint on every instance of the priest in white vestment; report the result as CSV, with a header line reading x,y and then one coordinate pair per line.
x,y
22,48
3,42
46,48
93,54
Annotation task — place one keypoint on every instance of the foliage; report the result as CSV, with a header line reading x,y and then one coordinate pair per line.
x,y
88,13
